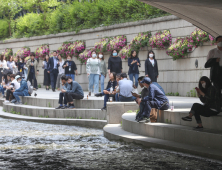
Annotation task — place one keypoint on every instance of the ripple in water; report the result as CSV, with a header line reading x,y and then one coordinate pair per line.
x,y
28,145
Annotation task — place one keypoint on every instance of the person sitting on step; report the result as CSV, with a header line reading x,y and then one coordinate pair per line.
x,y
110,87
72,91
13,86
62,99
155,99
209,95
21,91
125,89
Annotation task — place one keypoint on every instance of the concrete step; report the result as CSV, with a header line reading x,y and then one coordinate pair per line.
x,y
77,122
48,112
174,117
115,132
207,138
53,102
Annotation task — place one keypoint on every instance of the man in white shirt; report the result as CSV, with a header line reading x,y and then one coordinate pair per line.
x,y
11,88
216,52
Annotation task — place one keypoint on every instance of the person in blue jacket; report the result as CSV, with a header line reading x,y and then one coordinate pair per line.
x,y
72,91
134,64
22,91
156,99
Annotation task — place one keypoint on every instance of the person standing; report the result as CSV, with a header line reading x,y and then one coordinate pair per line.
x,y
46,81
61,72
52,66
103,70
93,71
32,65
70,67
15,69
21,65
11,63
134,64
151,67
3,65
114,63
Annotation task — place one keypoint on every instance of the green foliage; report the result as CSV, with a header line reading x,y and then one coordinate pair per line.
x,y
43,18
192,93
39,86
49,104
173,94
4,31
129,111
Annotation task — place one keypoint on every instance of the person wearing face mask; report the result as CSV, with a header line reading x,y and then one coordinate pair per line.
x,y
93,72
114,63
151,67
70,67
214,61
103,70
21,91
210,97
52,67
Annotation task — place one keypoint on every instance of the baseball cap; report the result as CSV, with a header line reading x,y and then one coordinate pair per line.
x,y
18,76
146,80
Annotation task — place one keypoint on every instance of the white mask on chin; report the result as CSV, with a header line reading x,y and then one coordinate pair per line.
x,y
219,44
100,56
204,85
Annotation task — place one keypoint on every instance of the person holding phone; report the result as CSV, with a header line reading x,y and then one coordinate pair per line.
x,y
209,95
134,64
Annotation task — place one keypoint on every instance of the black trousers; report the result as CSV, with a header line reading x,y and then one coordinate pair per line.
x,y
53,78
61,98
33,80
70,96
8,93
200,110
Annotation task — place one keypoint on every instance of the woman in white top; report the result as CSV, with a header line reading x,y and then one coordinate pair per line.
x,y
3,65
11,64
93,72
61,72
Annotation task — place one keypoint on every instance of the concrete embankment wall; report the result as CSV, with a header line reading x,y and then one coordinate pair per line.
x,y
174,76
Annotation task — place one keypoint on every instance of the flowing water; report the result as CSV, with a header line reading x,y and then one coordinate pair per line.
x,y
28,145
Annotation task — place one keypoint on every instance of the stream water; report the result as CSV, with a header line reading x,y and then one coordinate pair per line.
x,y
28,145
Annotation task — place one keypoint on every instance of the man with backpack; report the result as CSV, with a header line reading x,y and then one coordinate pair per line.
x,y
22,91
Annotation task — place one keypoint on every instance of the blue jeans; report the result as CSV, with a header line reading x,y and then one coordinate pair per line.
x,y
136,76
71,75
102,78
126,99
94,81
17,94
2,90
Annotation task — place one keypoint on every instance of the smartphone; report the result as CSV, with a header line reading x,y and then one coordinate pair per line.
x,y
197,88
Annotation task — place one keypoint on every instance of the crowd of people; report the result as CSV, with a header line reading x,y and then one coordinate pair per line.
x,y
18,77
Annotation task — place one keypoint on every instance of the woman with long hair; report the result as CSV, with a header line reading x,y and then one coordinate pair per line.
x,y
3,65
46,81
134,64
151,67
103,70
11,64
211,99
114,63
93,72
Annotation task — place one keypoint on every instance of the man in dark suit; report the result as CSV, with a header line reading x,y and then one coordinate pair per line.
x,y
53,69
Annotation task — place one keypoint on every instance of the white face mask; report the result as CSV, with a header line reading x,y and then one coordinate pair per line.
x,y
219,44
204,85
151,55
93,55
68,59
19,81
100,56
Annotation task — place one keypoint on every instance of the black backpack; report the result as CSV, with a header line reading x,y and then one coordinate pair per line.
x,y
7,71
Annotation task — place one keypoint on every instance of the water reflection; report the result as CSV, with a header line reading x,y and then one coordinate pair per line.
x,y
28,145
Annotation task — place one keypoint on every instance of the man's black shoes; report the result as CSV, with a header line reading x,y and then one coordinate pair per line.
x,y
104,108
60,107
98,94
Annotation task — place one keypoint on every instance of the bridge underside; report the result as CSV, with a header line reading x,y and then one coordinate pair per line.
x,y
205,14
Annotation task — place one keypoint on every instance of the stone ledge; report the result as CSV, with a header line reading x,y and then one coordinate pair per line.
x,y
74,122
115,132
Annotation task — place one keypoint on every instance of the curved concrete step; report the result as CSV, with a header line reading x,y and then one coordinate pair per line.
x,y
207,138
53,102
77,122
54,113
115,132
175,116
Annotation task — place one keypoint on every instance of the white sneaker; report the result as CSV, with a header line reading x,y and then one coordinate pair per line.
x,y
6,101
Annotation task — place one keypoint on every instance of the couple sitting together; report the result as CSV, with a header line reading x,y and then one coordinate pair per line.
x,y
70,90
